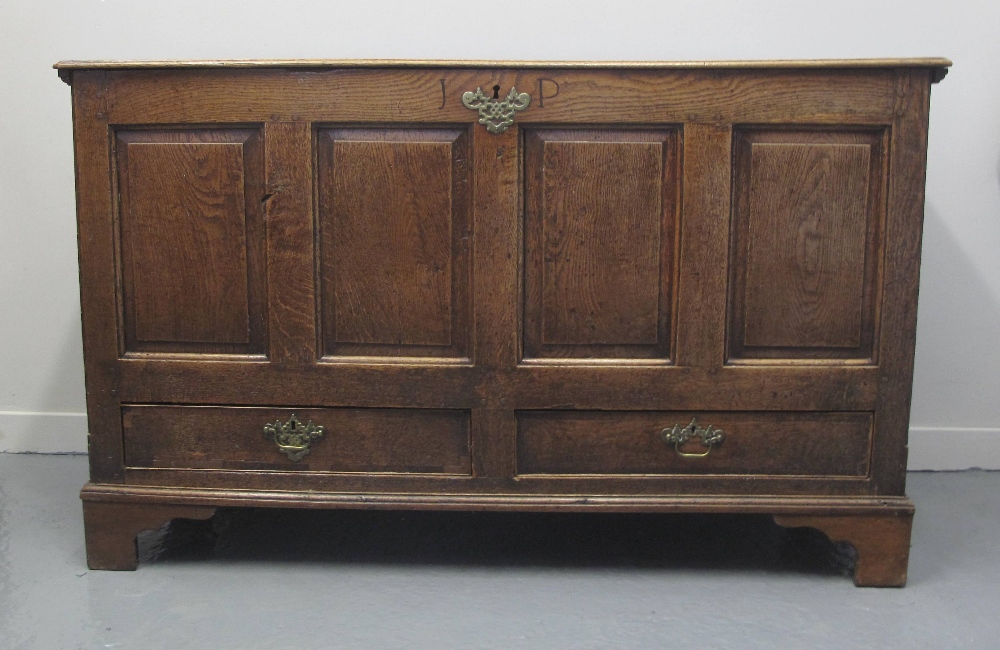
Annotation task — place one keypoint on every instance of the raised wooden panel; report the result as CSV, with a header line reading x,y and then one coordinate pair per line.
x,y
630,442
394,243
410,441
808,213
600,237
191,240
818,303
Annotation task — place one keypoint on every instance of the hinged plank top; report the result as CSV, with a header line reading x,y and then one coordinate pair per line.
x,y
940,65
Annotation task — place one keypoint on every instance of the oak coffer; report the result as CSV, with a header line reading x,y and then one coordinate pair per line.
x,y
656,287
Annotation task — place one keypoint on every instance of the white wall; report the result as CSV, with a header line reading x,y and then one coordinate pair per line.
x,y
956,408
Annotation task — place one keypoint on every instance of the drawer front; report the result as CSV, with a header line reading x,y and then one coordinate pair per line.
x,y
633,443
407,441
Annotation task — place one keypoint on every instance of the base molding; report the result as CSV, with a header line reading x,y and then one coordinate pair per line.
x,y
877,527
792,505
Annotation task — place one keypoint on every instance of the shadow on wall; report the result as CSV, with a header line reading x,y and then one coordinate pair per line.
x,y
67,374
998,171
48,427
958,351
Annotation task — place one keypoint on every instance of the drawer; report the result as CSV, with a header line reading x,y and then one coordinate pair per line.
x,y
409,441
754,443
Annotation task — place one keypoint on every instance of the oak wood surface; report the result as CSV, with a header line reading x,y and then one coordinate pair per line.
x,y
701,286
807,222
502,320
111,528
419,382
98,258
354,440
918,62
394,231
600,232
881,541
193,265
904,228
750,485
771,504
427,96
497,296
819,303
615,442
288,210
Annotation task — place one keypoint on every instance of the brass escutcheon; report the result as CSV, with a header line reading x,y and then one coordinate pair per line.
x,y
678,435
496,114
293,437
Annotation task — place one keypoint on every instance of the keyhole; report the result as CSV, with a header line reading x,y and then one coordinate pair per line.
x,y
496,91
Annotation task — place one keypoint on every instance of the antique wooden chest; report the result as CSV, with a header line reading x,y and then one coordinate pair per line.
x,y
659,287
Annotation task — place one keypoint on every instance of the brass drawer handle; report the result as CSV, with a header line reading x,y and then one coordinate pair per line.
x,y
678,436
293,437
496,114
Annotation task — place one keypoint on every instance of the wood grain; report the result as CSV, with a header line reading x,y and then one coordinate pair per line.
x,y
904,228
610,442
807,224
288,209
584,486
355,440
812,233
421,384
393,217
882,543
493,435
409,96
702,281
600,242
843,506
600,231
111,528
192,250
99,279
441,63
366,381
497,257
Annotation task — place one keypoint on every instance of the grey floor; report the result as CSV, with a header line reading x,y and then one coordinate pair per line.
x,y
293,579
